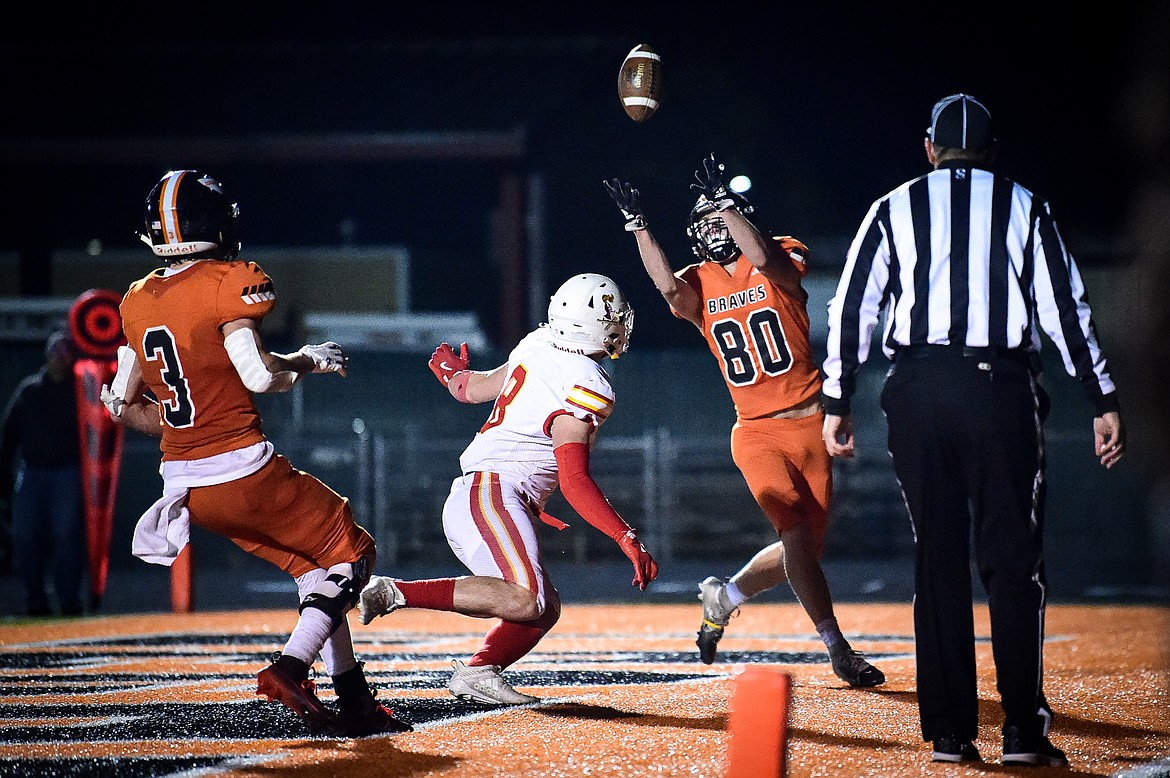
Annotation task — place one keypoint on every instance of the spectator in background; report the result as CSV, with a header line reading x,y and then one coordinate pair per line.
x,y
44,490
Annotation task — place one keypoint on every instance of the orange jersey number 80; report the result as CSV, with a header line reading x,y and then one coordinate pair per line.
x,y
766,352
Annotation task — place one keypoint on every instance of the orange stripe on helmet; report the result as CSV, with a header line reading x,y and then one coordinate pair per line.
x,y
168,211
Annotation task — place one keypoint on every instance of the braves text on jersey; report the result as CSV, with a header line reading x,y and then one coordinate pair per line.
x,y
758,334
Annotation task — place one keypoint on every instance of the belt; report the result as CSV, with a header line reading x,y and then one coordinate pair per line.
x,y
982,353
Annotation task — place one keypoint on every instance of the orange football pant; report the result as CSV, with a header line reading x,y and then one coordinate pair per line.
x,y
787,469
283,515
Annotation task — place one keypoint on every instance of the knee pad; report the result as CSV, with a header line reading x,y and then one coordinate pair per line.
x,y
337,592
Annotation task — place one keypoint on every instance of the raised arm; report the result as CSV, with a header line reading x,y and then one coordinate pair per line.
x,y
677,293
762,252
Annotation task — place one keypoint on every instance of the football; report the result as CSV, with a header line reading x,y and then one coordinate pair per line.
x,y
640,82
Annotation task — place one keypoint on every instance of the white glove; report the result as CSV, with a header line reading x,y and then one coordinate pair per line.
x,y
327,357
113,402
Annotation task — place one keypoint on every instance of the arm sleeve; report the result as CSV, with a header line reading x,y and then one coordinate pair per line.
x,y
853,311
583,493
1063,311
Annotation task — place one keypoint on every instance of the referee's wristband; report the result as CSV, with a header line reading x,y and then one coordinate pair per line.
x,y
1107,403
834,406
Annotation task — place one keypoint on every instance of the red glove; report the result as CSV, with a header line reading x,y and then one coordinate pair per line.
x,y
645,568
445,363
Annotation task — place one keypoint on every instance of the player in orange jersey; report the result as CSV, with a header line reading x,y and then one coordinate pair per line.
x,y
753,315
193,332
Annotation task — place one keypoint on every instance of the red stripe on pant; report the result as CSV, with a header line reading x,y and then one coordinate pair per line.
x,y
525,576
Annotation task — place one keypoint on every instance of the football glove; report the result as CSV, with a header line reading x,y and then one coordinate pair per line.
x,y
709,183
445,363
327,357
113,402
645,568
627,199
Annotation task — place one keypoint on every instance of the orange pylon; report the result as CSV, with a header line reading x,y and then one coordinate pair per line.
x,y
758,723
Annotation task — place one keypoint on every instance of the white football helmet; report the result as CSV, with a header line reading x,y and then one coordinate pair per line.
x,y
590,314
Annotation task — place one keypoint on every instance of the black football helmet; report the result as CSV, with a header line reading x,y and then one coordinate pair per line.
x,y
710,238
188,216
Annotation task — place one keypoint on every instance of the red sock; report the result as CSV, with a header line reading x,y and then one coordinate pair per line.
x,y
437,594
508,641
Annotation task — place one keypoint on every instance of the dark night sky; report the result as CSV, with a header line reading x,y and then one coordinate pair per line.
x,y
824,107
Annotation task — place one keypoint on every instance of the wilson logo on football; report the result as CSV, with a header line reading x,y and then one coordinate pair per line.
x,y
258,293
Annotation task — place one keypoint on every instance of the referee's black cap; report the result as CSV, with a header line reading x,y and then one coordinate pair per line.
x,y
960,121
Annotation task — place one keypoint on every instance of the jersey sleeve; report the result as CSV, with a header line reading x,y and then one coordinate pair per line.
x,y
246,292
590,398
796,251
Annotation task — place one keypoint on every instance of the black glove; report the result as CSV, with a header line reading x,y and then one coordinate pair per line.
x,y
627,198
710,184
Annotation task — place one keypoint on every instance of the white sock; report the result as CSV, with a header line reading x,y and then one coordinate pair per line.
x,y
309,635
337,653
734,595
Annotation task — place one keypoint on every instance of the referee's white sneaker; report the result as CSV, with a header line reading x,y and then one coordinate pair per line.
x,y
484,684
379,597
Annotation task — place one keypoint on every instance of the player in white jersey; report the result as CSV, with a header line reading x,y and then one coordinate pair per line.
x,y
551,396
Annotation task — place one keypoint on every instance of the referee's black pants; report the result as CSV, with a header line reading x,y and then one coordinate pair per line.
x,y
965,437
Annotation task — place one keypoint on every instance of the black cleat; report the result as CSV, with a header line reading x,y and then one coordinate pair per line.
x,y
717,611
372,718
949,748
851,668
1020,749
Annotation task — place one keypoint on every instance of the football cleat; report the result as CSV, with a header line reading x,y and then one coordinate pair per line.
x,y
484,684
301,698
368,717
717,611
851,668
379,597
949,748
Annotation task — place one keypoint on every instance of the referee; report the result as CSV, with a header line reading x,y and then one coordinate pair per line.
x,y
967,267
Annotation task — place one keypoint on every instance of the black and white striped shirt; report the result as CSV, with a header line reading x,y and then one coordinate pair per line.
x,y
965,257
